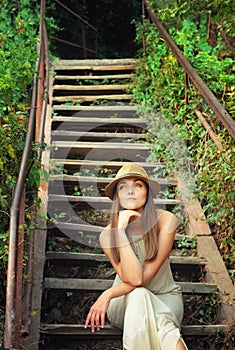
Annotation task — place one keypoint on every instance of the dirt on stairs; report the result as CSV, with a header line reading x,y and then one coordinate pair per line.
x,y
93,128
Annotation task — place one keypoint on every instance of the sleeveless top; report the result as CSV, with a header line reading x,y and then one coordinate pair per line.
x,y
163,281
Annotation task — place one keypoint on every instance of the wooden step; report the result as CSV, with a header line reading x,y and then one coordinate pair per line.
x,y
103,284
100,145
64,184
104,108
95,136
74,166
94,77
84,98
94,88
93,65
136,122
97,164
104,111
96,230
91,258
108,330
94,62
101,202
103,181
100,150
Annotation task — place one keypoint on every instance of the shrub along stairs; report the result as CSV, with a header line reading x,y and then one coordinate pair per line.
x,y
92,129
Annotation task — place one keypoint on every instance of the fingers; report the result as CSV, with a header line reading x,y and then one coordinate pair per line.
x,y
102,319
130,212
125,215
96,320
88,319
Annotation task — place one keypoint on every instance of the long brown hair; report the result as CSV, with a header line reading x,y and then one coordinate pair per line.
x,y
149,223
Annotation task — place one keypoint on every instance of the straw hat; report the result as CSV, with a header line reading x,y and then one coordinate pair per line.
x,y
131,170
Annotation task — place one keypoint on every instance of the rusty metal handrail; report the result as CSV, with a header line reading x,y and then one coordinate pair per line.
x,y
207,94
76,15
83,23
11,339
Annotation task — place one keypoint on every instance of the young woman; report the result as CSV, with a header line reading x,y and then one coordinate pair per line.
x,y
144,301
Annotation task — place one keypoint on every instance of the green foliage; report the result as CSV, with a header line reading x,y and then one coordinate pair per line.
x,y
220,13
184,243
18,40
17,56
216,192
160,85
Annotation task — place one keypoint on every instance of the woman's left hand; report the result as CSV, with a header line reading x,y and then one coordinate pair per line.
x,y
96,315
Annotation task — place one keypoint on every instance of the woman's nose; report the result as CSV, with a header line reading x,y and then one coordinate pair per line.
x,y
130,189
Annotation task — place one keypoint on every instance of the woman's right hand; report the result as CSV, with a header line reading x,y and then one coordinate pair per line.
x,y
96,315
124,218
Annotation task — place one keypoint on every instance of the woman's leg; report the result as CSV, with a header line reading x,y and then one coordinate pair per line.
x,y
181,345
140,330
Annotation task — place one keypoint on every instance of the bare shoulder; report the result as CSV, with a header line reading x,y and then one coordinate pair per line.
x,y
105,237
167,221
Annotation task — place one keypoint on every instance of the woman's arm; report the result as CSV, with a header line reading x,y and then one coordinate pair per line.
x,y
96,315
167,225
129,268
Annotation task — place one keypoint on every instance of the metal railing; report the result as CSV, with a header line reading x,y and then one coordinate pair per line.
x,y
38,110
35,133
16,324
83,24
219,110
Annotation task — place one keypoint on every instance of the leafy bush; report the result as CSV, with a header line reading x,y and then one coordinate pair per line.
x,y
18,40
18,37
160,84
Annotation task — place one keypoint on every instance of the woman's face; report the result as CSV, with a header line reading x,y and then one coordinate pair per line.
x,y
132,194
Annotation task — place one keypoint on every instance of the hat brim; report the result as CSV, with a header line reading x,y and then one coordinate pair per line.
x,y
110,188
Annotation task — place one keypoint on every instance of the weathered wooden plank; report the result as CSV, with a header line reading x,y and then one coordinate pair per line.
x,y
86,257
102,284
95,230
115,97
94,68
100,145
116,109
94,62
94,77
78,119
72,329
70,226
100,150
197,220
217,273
101,202
95,112
100,180
203,330
91,87
96,136
114,165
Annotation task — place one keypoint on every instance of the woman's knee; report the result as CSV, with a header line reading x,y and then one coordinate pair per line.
x,y
138,293
137,297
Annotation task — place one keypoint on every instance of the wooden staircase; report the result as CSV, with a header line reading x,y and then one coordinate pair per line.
x,y
93,129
